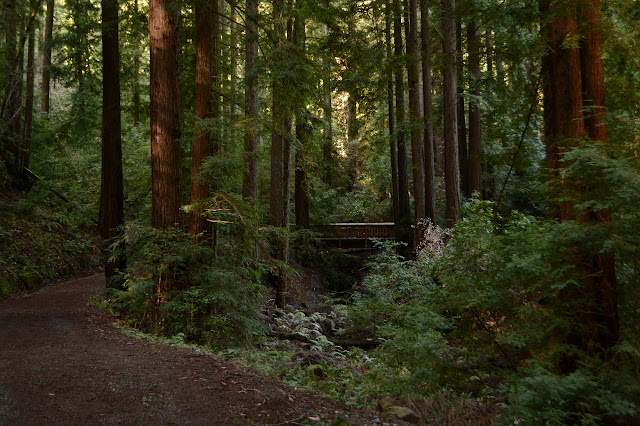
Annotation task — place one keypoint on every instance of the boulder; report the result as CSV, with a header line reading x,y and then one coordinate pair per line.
x,y
388,406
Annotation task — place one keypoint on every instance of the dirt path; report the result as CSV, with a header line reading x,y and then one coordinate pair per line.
x,y
62,362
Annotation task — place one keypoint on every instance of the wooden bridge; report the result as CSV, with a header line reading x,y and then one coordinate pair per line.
x,y
355,235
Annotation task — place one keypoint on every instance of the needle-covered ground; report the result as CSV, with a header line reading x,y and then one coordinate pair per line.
x,y
62,361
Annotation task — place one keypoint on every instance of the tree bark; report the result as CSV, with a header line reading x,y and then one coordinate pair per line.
x,y
202,110
600,278
391,114
165,150
278,118
252,106
45,87
279,152
475,129
427,102
573,82
353,129
451,173
12,105
136,84
28,119
233,65
562,87
111,194
403,225
417,120
327,134
463,152
287,146
303,134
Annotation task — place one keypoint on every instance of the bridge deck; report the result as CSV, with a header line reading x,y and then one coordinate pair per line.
x,y
355,235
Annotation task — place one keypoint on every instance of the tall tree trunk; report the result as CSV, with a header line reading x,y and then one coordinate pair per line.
x,y
12,105
563,123
111,193
403,226
391,113
216,78
165,150
489,46
233,65
450,77
136,82
202,110
427,102
463,153
327,133
39,56
417,120
600,278
562,89
278,216
252,106
288,146
352,136
278,118
45,87
569,72
303,134
475,129
28,119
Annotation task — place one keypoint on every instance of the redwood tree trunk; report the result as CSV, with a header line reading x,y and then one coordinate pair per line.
x,y
391,114
569,73
252,106
303,134
165,150
352,136
12,106
417,120
562,98
278,118
111,194
279,182
463,152
327,134
474,175
28,119
403,226
136,83
450,77
600,277
45,87
427,102
202,110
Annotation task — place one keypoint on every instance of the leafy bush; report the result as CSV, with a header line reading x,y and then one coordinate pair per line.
x,y
177,286
583,397
477,318
395,306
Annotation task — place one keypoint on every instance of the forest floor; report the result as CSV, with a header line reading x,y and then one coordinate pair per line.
x,y
62,361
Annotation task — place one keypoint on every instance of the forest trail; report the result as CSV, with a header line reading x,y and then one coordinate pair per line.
x,y
63,362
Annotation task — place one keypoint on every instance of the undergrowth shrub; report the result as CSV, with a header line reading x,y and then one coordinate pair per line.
x,y
175,285
475,320
393,306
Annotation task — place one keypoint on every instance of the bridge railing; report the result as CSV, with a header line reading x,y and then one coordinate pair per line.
x,y
355,235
